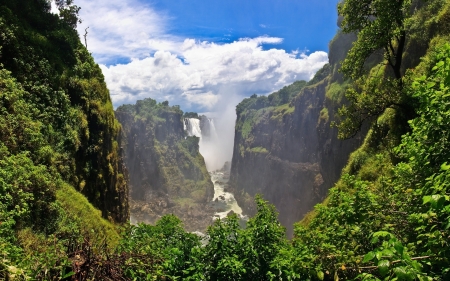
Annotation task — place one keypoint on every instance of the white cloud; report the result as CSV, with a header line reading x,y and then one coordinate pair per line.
x,y
124,29
206,69
193,74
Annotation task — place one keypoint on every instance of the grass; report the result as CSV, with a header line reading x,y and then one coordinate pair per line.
x,y
335,92
87,216
280,111
324,116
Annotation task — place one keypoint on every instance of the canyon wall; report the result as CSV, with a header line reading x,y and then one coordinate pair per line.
x,y
167,173
285,147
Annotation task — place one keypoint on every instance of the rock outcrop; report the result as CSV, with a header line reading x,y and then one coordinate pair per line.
x,y
167,173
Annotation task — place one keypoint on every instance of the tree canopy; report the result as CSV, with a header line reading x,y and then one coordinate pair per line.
x,y
380,25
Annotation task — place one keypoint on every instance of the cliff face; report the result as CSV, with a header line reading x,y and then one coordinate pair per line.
x,y
288,152
167,173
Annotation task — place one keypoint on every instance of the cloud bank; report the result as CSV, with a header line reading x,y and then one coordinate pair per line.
x,y
206,73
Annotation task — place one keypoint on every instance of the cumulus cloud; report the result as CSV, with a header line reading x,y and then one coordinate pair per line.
x,y
194,74
203,72
124,29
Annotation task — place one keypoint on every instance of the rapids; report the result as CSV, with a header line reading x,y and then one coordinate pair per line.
x,y
223,202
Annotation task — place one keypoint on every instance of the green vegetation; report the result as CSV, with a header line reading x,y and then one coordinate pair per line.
x,y
388,217
259,149
394,36
388,220
251,111
336,92
190,115
58,137
282,110
324,116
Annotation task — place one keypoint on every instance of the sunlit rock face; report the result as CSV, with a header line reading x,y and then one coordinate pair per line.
x,y
291,155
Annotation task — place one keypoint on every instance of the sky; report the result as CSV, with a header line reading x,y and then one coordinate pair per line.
x,y
202,54
206,55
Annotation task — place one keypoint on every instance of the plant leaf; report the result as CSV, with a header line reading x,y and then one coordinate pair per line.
x,y
368,257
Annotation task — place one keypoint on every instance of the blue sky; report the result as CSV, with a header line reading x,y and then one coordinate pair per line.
x,y
205,55
302,24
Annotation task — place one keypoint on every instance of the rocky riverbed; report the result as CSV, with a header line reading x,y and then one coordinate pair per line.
x,y
195,216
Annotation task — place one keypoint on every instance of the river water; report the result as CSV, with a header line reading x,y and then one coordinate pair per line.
x,y
223,202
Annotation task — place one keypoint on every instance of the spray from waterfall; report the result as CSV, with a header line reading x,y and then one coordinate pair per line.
x,y
205,129
192,127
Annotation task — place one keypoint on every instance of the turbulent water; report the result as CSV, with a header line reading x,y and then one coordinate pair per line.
x,y
204,128
210,145
192,127
223,202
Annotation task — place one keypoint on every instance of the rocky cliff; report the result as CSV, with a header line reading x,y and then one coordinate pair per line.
x,y
285,148
167,173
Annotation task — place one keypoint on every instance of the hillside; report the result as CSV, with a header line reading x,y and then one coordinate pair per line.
x,y
61,171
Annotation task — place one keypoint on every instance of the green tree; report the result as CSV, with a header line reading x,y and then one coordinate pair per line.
x,y
380,26
268,238
224,252
68,12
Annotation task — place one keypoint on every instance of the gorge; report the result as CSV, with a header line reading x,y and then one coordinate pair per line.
x,y
74,172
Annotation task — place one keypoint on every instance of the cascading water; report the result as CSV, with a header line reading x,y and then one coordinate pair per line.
x,y
192,127
204,128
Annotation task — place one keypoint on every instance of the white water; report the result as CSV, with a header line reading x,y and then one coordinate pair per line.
x,y
212,143
192,127
223,202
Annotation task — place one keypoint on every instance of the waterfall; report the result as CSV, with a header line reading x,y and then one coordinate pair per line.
x,y
192,127
205,129
212,130
209,146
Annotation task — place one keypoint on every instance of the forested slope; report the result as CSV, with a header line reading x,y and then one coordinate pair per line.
x,y
59,139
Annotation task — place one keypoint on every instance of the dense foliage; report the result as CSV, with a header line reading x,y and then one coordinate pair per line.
x,y
58,135
388,218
